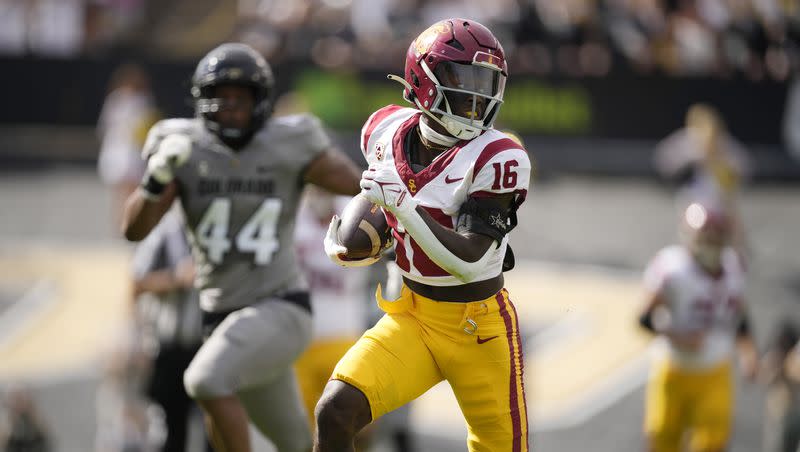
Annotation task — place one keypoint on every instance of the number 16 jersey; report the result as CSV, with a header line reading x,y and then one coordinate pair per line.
x,y
487,166
240,206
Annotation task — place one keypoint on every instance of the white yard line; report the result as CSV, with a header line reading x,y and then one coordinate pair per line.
x,y
25,310
618,385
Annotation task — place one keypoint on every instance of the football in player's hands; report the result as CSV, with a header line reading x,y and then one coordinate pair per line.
x,y
364,230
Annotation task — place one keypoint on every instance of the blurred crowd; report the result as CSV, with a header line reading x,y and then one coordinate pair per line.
x,y
756,39
66,28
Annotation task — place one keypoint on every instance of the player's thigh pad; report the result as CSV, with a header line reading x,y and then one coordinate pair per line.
x,y
713,410
667,399
251,347
390,364
484,366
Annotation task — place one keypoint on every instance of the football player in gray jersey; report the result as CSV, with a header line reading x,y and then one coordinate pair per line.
x,y
238,175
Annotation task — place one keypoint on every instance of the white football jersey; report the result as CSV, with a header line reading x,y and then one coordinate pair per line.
x,y
497,163
339,295
697,301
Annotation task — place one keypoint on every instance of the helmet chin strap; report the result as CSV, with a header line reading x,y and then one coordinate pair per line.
x,y
459,130
435,137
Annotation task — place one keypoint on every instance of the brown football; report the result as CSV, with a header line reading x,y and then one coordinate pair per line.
x,y
363,231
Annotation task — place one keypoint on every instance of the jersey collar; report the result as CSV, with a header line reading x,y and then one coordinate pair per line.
x,y
415,181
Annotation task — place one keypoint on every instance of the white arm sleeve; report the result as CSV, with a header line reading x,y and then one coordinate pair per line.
x,y
436,251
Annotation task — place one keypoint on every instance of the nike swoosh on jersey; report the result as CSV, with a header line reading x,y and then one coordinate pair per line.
x,y
447,179
481,341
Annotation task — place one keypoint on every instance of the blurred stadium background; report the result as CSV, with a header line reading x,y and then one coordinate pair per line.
x,y
594,86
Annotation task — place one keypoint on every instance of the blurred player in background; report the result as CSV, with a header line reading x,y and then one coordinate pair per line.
x,y
696,303
126,419
170,314
338,297
22,428
707,164
704,159
128,112
779,371
239,177
450,185
340,301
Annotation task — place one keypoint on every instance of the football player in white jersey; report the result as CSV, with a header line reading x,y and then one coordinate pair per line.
x,y
696,304
450,185
238,175
338,296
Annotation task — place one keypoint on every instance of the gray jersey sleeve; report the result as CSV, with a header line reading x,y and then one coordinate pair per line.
x,y
306,133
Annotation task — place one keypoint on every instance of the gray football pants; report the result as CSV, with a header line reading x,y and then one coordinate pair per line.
x,y
250,354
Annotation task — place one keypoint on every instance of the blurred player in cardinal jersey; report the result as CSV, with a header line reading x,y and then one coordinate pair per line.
x,y
450,186
695,301
338,297
239,176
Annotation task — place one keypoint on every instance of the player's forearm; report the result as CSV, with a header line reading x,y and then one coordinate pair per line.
x,y
469,247
657,319
141,215
415,224
335,172
791,366
339,185
454,252
748,356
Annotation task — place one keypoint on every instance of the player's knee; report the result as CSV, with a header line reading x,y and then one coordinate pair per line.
x,y
200,384
330,416
342,410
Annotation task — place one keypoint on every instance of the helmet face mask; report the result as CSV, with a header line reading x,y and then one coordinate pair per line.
x,y
212,104
468,97
456,73
229,110
239,65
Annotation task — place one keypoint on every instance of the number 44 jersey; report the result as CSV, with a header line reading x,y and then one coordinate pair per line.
x,y
491,164
240,206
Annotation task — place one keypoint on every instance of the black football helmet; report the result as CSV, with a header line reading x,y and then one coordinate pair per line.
x,y
233,64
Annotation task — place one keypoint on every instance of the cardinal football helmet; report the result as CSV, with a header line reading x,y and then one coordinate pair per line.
x,y
456,73
233,64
